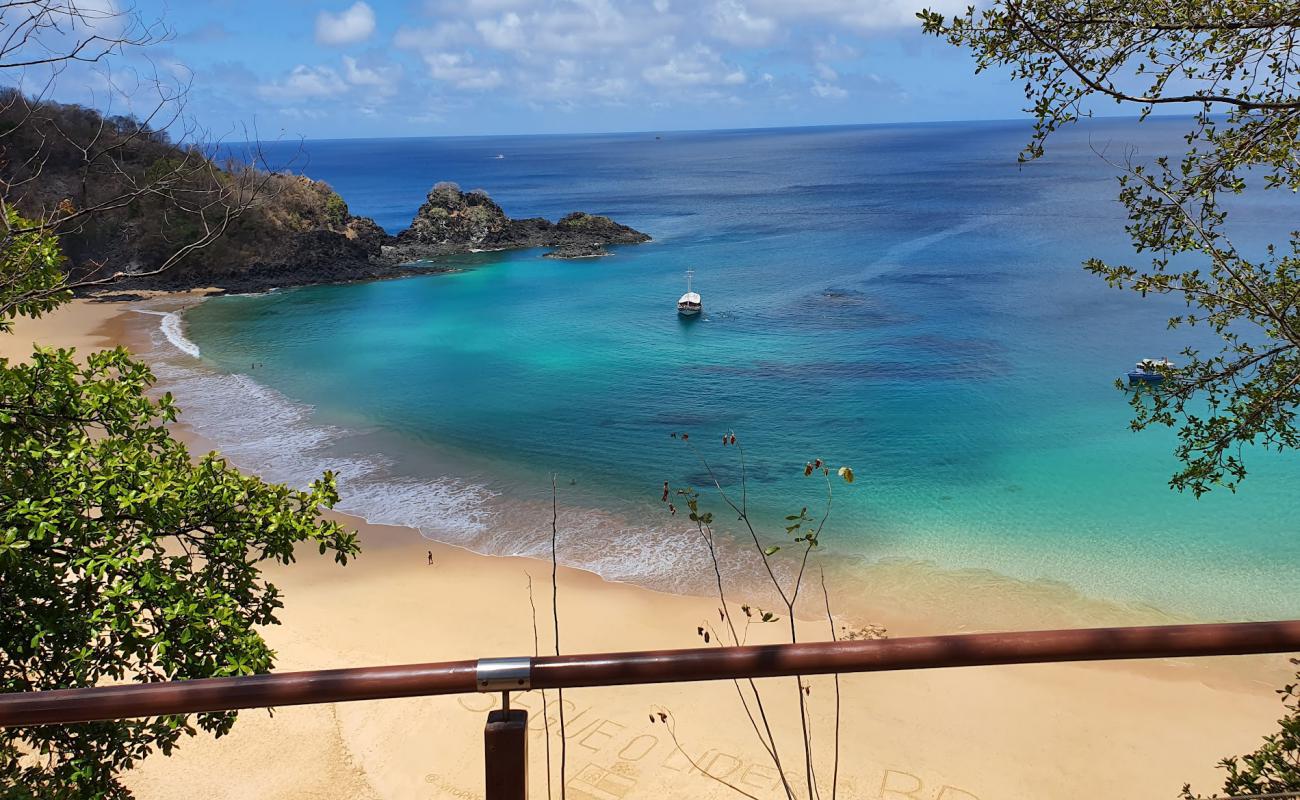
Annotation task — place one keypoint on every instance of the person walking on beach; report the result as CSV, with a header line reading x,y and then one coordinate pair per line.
x,y
431,558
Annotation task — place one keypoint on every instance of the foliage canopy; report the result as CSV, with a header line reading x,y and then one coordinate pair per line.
x,y
121,558
1233,63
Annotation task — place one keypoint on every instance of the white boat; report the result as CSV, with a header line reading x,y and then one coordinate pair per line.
x,y
689,305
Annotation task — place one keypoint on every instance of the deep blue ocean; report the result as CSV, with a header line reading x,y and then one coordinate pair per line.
x,y
905,299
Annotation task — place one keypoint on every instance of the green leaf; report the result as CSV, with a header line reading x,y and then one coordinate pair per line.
x,y
165,580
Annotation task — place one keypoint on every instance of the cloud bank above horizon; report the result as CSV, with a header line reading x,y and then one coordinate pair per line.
x,y
431,67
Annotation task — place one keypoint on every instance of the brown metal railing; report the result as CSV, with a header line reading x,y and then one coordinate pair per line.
x,y
505,743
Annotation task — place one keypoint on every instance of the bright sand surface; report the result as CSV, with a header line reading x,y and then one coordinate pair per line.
x,y
80,324
85,324
1054,731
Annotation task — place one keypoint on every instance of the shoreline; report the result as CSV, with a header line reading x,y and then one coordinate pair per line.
x,y
451,494
1152,726
939,599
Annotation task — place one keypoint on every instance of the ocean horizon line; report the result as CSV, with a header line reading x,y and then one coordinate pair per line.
x,y
901,124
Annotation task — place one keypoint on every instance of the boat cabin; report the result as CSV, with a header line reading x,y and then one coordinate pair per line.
x,y
690,303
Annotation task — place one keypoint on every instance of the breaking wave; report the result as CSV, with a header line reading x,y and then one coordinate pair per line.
x,y
172,328
262,431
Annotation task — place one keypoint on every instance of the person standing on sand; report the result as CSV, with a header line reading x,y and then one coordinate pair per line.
x,y
431,558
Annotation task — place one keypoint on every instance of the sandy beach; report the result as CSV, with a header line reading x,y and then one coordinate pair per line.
x,y
1059,731
81,324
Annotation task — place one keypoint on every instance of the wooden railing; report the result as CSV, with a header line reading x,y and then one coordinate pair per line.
x,y
505,740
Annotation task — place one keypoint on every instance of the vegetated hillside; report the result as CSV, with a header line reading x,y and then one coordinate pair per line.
x,y
56,159
125,199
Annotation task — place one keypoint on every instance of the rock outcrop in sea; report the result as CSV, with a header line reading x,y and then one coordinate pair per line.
x,y
453,221
583,250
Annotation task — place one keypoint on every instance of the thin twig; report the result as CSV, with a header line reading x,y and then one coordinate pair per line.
x,y
830,620
789,598
671,724
546,719
555,615
769,743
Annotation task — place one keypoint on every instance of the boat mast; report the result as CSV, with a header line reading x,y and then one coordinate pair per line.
x,y
689,274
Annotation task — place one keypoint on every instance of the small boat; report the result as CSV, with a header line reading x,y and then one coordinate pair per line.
x,y
689,305
1150,370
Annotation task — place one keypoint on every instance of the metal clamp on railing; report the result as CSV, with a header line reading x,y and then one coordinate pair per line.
x,y
504,674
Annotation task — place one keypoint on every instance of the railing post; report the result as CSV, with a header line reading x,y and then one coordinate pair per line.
x,y
505,753
505,739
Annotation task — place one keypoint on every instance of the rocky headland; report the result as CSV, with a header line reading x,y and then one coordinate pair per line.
x,y
353,248
272,228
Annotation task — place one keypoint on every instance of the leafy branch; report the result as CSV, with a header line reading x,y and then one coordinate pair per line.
x,y
1234,63
803,532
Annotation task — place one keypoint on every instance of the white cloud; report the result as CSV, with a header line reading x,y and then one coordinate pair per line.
x,y
304,83
441,36
303,113
733,23
370,82
575,28
356,24
828,91
506,33
571,82
832,49
380,80
700,66
475,8
360,76
460,71
867,15
570,54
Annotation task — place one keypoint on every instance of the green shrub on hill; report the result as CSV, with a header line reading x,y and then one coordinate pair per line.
x,y
90,193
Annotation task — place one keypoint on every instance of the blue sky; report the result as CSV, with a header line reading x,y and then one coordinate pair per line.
x,y
352,68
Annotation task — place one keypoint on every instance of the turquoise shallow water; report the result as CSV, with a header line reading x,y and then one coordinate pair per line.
x,y
904,299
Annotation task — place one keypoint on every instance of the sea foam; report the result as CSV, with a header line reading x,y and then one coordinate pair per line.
x,y
262,431
259,429
172,328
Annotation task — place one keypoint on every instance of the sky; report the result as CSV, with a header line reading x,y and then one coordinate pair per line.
x,y
374,68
